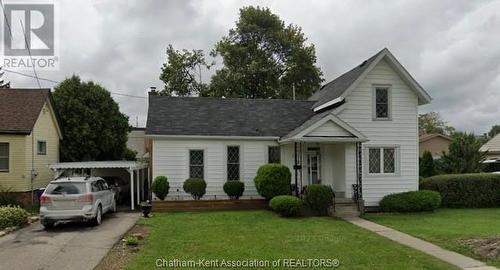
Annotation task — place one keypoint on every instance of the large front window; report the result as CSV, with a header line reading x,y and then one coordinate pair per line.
x,y
196,164
273,154
382,160
4,157
233,163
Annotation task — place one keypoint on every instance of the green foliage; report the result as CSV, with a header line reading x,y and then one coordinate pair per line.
x,y
264,58
196,187
466,190
93,126
180,72
286,205
7,197
464,155
273,180
431,122
13,216
161,187
130,154
234,189
427,167
412,201
494,131
132,241
319,197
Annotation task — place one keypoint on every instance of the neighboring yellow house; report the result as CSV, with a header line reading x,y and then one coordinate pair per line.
x,y
29,140
435,143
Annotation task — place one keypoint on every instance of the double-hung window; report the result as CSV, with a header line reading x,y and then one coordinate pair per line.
x,y
382,104
233,163
42,148
196,164
382,160
273,154
4,157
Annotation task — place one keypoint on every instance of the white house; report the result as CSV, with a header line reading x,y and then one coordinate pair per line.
x,y
358,134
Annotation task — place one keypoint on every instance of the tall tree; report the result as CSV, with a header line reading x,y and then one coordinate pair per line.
x,y
93,126
264,58
494,131
432,122
464,155
182,72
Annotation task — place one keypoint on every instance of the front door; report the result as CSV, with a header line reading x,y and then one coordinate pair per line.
x,y
313,166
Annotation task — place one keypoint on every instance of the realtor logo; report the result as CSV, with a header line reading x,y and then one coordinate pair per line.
x,y
29,36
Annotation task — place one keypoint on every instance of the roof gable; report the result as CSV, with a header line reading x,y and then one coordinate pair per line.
x,y
20,109
338,89
324,126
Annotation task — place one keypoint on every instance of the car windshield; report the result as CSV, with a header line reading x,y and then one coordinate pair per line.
x,y
65,188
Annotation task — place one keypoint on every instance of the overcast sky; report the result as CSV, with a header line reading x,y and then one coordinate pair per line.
x,y
451,47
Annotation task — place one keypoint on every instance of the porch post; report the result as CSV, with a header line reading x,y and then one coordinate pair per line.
x,y
296,168
132,202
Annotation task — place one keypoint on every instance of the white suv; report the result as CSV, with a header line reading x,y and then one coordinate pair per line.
x,y
76,199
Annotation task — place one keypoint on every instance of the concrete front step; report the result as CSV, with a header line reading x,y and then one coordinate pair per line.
x,y
346,208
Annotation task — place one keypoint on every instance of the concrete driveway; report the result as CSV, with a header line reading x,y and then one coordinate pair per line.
x,y
67,246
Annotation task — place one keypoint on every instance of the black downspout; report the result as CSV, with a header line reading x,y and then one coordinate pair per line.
x,y
296,172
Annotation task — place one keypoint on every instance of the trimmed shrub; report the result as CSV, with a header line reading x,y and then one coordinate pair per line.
x,y
466,190
234,189
411,201
286,205
319,197
161,187
427,168
13,216
273,180
196,187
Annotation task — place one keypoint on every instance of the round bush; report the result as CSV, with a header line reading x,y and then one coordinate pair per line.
x,y
234,189
160,187
286,205
196,187
319,197
13,216
412,201
273,180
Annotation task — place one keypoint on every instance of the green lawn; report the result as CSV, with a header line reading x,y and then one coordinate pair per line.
x,y
244,235
446,227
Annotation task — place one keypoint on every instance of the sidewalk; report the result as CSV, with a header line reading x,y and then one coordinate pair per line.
x,y
450,257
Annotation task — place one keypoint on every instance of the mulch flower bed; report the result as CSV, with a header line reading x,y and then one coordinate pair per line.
x,y
118,257
485,247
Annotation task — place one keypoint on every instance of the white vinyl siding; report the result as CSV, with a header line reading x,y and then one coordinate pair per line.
x,y
329,129
171,158
402,131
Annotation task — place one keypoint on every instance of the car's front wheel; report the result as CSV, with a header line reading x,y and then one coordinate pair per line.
x,y
98,216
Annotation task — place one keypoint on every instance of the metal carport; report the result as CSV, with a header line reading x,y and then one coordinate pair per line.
x,y
138,174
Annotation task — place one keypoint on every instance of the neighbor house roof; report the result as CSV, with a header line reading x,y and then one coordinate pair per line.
x,y
20,108
336,90
492,145
203,116
426,137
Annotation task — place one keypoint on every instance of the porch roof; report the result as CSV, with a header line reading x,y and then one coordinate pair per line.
x,y
324,127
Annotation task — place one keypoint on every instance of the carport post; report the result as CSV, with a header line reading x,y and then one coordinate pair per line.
x,y
138,190
132,202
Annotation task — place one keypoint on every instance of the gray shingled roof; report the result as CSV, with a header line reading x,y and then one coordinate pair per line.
x,y
337,87
225,116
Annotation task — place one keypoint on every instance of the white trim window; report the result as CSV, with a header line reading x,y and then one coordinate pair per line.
x,y
4,157
233,163
382,103
41,148
382,160
196,164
